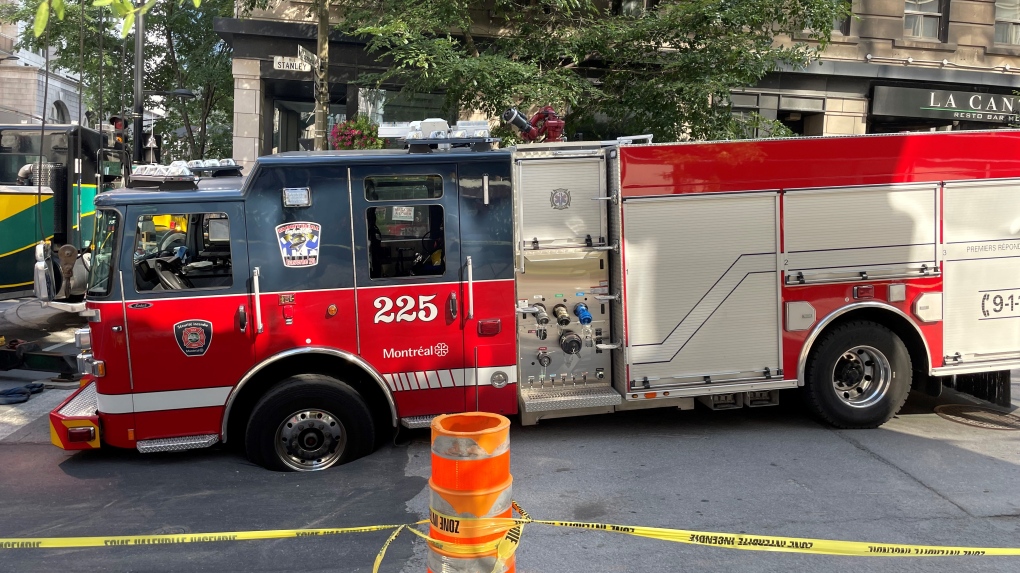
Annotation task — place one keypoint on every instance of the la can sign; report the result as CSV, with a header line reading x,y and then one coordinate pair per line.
x,y
290,64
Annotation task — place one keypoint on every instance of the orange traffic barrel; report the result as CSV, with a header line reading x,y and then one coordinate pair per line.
x,y
470,480
440,561
470,451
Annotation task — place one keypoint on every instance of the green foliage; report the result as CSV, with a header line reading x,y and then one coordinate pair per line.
x,y
181,51
192,56
358,133
667,71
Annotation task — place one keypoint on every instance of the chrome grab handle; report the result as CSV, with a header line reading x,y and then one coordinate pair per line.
x,y
471,289
258,302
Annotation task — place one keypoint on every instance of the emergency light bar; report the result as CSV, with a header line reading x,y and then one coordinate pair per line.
x,y
423,135
182,175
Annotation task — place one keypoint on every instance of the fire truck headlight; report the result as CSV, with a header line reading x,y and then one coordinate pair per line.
x,y
87,365
83,338
499,379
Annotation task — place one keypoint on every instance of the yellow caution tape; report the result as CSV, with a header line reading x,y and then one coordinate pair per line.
x,y
117,540
513,528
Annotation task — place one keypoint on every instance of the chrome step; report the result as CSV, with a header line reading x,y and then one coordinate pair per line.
x,y
568,398
414,422
176,444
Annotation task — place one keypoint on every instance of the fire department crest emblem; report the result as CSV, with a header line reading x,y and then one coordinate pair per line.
x,y
559,199
193,336
299,243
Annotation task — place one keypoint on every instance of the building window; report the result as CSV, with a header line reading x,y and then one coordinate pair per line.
x,y
1007,21
841,25
925,19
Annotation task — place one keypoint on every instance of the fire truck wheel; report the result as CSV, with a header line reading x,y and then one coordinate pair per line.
x,y
858,375
309,422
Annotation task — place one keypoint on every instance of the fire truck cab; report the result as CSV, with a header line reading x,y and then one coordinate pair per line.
x,y
339,294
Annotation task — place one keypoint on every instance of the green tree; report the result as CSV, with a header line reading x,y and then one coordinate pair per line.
x,y
181,51
194,58
616,69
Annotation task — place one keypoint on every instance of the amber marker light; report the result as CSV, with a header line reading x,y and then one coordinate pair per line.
x,y
331,310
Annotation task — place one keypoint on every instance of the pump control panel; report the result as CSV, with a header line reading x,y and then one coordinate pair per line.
x,y
564,321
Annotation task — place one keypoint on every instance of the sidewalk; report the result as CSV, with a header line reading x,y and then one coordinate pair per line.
x,y
53,330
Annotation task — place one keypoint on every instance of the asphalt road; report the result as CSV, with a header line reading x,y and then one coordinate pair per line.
x,y
919,479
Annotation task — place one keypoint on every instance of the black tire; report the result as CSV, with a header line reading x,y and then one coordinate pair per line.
x,y
317,421
858,375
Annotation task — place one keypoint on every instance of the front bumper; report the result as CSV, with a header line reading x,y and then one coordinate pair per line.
x,y
74,424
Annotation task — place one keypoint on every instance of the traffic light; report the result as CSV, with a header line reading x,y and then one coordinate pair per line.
x,y
119,134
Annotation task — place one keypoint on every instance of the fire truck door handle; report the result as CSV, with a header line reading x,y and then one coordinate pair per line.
x,y
451,305
242,318
471,289
258,302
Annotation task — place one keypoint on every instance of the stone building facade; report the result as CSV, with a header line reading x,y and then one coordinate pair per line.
x,y
23,82
903,65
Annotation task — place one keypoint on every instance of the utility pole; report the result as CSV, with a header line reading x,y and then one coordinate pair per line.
x,y
139,99
321,76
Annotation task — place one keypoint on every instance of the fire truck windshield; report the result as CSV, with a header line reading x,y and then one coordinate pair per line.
x,y
101,270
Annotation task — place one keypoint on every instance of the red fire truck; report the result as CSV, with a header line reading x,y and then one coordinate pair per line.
x,y
337,295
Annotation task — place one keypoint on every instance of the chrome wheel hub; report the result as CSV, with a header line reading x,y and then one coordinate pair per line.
x,y
861,376
310,440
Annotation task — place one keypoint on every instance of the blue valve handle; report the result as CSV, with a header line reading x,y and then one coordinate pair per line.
x,y
581,311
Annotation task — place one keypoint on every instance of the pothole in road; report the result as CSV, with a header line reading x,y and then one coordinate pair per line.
x,y
978,417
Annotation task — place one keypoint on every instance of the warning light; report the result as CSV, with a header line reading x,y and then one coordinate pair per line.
x,y
331,310
81,434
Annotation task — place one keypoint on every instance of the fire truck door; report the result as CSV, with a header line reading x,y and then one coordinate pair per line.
x,y
410,296
188,312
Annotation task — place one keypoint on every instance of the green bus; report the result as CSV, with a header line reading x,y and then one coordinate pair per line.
x,y
50,199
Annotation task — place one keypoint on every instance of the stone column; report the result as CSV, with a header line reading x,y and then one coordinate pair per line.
x,y
248,109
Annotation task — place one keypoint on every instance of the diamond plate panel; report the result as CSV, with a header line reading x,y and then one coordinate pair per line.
x,y
83,403
546,399
176,444
417,421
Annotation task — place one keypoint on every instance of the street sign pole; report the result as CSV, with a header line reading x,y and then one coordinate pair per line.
x,y
139,95
321,68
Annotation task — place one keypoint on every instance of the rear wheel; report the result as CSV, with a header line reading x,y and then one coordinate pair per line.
x,y
309,422
858,375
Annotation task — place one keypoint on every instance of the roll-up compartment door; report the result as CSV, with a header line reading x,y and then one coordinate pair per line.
x,y
701,288
838,234
556,206
982,271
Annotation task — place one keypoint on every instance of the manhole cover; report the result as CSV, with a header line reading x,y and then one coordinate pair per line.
x,y
979,417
